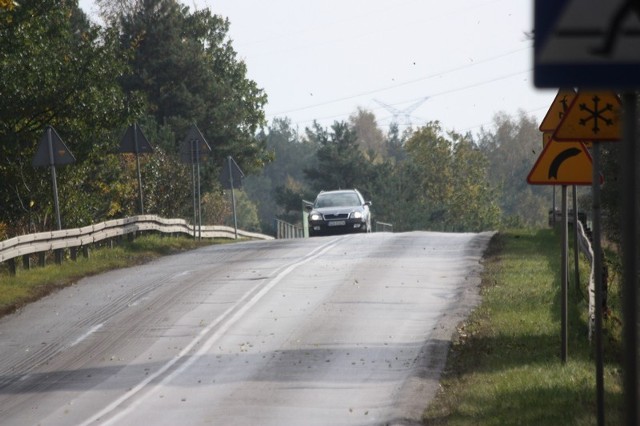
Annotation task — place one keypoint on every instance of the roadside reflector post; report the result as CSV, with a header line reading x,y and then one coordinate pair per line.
x,y
59,254
12,266
26,262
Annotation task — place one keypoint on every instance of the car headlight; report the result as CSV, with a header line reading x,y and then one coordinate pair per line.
x,y
356,215
315,216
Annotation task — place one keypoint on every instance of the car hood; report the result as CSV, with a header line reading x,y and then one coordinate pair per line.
x,y
338,210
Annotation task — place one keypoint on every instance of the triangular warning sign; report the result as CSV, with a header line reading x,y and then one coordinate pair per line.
x,y
231,175
52,151
194,146
567,163
558,108
592,116
134,141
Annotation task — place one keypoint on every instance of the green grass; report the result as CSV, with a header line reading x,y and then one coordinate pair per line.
x,y
504,367
32,284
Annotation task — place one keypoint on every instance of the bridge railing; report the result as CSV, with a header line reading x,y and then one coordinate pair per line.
x,y
57,241
286,230
383,227
584,244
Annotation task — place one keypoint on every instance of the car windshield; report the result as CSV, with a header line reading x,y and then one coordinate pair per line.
x,y
337,200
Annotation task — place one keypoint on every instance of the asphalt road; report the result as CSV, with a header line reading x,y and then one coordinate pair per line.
x,y
346,330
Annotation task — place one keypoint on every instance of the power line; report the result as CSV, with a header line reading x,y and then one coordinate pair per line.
x,y
445,92
406,83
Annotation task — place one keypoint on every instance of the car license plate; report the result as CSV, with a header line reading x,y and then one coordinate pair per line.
x,y
337,223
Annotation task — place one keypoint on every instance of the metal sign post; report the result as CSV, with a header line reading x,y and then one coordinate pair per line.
x,y
576,250
135,142
233,198
193,148
54,180
594,116
597,266
564,320
562,163
196,152
195,182
231,177
53,152
630,161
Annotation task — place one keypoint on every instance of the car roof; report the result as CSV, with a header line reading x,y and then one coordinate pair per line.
x,y
338,191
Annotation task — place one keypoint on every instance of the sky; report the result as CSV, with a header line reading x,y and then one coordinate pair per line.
x,y
410,61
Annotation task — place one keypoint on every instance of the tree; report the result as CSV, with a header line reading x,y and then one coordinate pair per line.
x,y
341,164
431,153
188,71
512,148
448,183
281,184
7,5
246,212
369,137
474,203
57,69
395,143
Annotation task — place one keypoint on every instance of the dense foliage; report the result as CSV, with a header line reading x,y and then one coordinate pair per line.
x,y
155,63
423,178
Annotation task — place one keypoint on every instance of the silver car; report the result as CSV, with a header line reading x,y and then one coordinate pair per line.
x,y
339,212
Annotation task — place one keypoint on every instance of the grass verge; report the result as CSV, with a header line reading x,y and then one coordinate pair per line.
x,y
504,366
32,284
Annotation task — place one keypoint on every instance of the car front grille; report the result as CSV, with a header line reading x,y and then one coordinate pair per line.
x,y
336,216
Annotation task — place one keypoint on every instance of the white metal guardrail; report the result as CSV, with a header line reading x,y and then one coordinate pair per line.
x,y
383,227
286,230
585,247
42,242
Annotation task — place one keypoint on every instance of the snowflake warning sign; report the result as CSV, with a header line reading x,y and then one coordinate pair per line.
x,y
592,116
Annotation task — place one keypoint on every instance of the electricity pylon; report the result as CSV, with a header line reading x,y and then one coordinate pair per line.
x,y
404,113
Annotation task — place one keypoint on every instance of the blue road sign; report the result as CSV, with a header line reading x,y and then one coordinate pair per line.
x,y
587,43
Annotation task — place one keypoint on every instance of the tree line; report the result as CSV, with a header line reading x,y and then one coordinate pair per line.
x,y
417,178
165,67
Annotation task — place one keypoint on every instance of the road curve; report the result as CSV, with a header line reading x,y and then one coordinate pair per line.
x,y
346,330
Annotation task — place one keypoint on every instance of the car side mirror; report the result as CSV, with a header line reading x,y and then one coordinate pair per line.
x,y
368,203
308,208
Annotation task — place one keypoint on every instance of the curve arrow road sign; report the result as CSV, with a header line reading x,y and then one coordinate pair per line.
x,y
567,163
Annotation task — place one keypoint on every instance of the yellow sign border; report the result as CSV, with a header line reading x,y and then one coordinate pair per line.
x,y
539,177
571,129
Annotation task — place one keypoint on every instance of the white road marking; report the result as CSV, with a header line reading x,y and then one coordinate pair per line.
x,y
87,334
224,326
